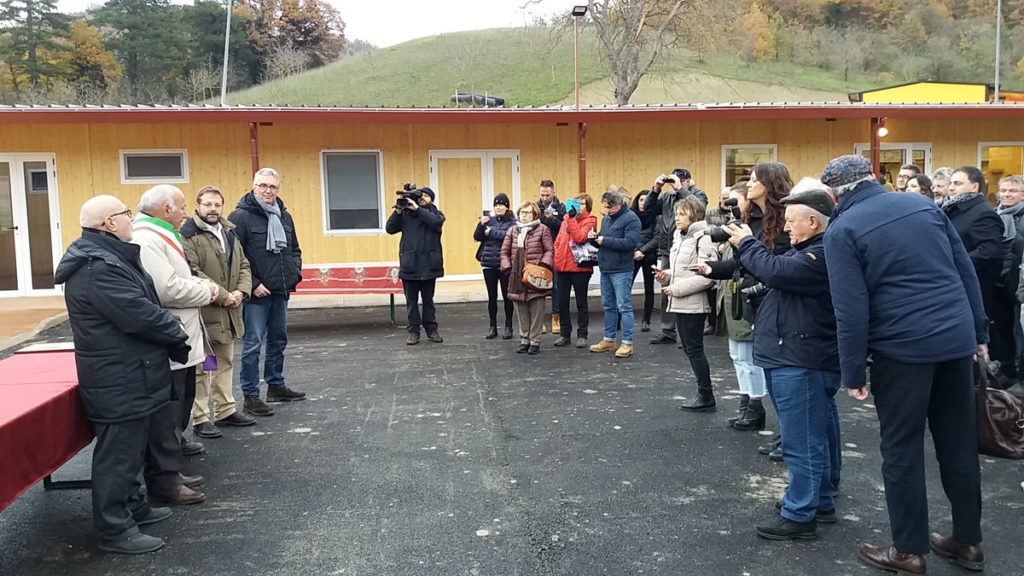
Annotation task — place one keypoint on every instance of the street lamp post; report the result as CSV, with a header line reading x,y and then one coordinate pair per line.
x,y
999,25
224,65
577,13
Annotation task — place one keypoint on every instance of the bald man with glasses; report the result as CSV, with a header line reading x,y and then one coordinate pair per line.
x,y
123,341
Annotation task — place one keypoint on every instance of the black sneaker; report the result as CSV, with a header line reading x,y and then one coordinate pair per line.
x,y
822,516
283,394
776,454
786,529
253,405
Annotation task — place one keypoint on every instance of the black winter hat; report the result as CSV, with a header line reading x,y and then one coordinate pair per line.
x,y
502,199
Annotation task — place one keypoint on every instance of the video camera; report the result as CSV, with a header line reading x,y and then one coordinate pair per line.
x,y
716,233
409,193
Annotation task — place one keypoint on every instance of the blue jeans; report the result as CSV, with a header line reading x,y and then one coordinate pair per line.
x,y
264,318
809,423
615,299
749,377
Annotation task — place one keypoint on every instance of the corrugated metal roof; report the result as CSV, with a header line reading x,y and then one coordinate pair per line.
x,y
526,114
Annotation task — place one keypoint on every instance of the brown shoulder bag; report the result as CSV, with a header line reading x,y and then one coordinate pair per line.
x,y
1000,420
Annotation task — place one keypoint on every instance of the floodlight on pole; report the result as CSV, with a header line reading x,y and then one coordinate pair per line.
x,y
577,12
224,65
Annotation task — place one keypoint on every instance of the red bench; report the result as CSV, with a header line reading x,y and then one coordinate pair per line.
x,y
352,278
42,424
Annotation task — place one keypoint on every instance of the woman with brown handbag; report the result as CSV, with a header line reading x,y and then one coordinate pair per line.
x,y
528,244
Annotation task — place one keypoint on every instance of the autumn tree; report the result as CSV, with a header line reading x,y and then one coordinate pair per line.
x,y
758,36
311,26
92,68
31,27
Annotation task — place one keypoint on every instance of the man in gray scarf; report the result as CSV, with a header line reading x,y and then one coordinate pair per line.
x,y
267,234
1006,327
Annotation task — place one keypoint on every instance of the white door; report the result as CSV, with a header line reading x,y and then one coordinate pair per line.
x,y
895,154
29,224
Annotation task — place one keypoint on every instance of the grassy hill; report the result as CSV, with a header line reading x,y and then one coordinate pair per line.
x,y
534,67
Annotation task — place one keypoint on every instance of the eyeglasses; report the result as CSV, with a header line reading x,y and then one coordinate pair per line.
x,y
267,187
127,212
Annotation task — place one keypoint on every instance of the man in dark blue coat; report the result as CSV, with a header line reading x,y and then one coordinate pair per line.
x,y
123,339
267,233
916,309
795,343
618,240
420,260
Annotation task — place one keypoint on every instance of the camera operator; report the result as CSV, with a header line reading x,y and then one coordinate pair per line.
x,y
661,205
419,254
795,343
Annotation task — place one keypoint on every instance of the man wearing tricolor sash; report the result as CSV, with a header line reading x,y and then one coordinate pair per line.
x,y
161,213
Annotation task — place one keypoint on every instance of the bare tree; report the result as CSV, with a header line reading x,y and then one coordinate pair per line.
x,y
286,60
632,33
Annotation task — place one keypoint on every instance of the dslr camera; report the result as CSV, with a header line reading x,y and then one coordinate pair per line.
x,y
410,192
716,233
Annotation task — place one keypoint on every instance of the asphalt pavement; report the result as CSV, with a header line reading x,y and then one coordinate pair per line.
x,y
464,458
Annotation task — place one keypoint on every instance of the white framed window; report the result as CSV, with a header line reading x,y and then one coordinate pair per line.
x,y
998,160
353,194
893,155
738,160
165,166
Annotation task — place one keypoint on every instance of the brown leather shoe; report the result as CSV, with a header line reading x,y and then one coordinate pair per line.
x,y
191,481
888,558
181,494
965,555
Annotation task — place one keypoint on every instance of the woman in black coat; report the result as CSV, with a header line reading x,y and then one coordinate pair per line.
x,y
646,255
764,213
490,233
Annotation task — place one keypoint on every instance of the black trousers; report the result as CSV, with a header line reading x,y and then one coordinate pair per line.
x,y
117,493
645,266
414,290
493,278
1002,329
691,333
164,460
668,319
906,397
578,282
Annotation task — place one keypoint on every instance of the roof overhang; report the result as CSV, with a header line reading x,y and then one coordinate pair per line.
x,y
543,115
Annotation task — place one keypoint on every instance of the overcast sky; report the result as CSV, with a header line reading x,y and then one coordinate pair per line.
x,y
387,22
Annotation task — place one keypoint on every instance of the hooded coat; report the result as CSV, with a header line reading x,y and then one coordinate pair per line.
x,y
122,334
491,236
574,229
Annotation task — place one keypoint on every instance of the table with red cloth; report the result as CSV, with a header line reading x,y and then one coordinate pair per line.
x,y
42,424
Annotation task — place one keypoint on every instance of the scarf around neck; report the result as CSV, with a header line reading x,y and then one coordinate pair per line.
x,y
1009,218
959,198
524,229
276,239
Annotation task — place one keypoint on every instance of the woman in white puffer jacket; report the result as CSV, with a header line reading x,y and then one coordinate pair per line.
x,y
687,293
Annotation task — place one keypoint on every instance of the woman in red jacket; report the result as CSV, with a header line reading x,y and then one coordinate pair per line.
x,y
527,241
576,223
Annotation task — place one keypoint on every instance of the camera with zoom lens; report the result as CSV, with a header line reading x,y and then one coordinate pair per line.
x,y
409,193
716,233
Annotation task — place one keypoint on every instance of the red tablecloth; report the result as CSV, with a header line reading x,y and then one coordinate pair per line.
x,y
41,420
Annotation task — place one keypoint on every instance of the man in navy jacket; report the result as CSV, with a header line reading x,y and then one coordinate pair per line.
x,y
618,240
795,343
915,307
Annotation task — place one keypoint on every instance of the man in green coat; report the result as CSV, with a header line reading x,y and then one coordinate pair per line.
x,y
215,253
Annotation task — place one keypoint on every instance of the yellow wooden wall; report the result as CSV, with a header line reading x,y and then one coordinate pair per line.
x,y
627,154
